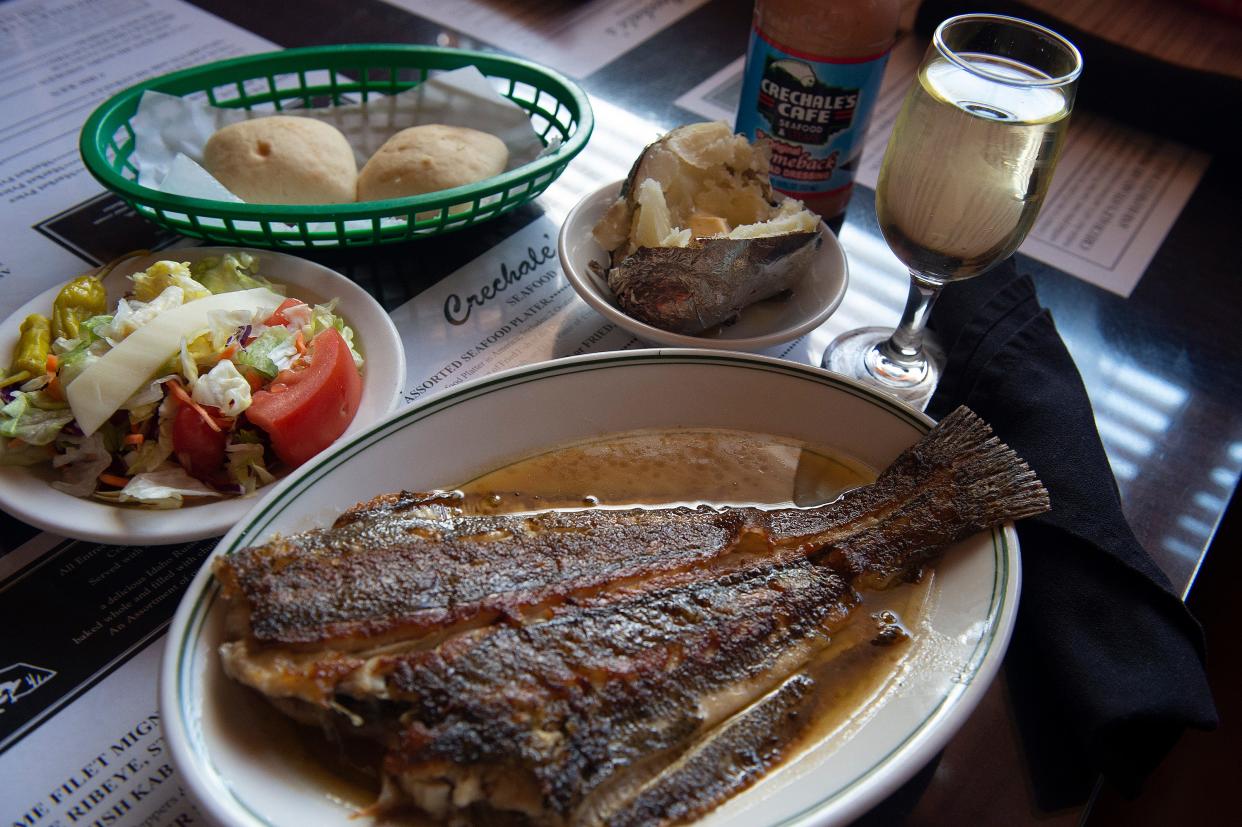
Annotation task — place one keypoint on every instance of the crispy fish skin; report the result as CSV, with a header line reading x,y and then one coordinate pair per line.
x,y
688,290
590,689
410,564
574,699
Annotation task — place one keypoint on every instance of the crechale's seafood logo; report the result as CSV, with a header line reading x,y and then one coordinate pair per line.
x,y
793,163
799,107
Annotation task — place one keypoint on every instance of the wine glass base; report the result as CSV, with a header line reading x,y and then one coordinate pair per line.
x,y
857,354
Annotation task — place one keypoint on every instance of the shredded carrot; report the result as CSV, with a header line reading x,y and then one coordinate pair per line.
x,y
114,480
300,343
253,378
52,363
179,392
228,353
184,398
54,389
134,439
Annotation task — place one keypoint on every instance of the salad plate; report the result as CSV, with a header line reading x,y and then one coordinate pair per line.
x,y
244,764
765,324
27,492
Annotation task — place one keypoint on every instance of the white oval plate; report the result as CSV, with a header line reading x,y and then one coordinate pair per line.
x,y
240,778
762,325
26,493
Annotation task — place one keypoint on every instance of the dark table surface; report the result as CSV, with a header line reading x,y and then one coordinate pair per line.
x,y
1161,366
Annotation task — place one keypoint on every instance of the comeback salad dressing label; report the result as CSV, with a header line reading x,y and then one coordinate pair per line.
x,y
814,110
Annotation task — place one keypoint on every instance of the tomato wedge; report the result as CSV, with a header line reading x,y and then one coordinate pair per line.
x,y
306,408
199,449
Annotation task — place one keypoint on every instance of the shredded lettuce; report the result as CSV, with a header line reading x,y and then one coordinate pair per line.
x,y
186,363
165,488
19,452
142,404
163,274
152,453
24,419
225,326
246,465
36,384
297,316
88,347
63,345
230,272
224,388
81,464
93,327
131,315
74,362
269,354
323,316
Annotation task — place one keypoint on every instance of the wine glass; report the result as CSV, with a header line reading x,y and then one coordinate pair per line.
x,y
963,178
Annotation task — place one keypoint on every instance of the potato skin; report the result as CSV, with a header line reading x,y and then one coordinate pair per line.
x,y
688,290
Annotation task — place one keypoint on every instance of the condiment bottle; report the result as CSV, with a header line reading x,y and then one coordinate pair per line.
x,y
813,72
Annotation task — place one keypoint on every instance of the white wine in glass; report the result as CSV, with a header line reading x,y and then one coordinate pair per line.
x,y
964,175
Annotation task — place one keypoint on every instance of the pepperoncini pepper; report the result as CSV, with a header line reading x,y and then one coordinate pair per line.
x,y
76,302
33,344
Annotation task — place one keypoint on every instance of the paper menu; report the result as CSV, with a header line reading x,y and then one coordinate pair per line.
x,y
59,59
79,730
576,39
1115,196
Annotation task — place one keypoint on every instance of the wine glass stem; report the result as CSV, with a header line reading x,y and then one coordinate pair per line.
x,y
905,346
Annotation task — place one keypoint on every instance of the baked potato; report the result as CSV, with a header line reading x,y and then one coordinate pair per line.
x,y
697,232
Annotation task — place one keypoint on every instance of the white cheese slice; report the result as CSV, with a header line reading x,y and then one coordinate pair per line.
x,y
103,387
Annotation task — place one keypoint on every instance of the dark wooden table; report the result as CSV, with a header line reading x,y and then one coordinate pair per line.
x,y
1161,366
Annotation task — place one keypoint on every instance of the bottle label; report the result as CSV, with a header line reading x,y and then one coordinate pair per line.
x,y
813,110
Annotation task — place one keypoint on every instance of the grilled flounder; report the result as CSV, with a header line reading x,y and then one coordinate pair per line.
x,y
598,666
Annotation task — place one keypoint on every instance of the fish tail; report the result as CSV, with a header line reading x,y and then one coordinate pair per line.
x,y
991,483
959,479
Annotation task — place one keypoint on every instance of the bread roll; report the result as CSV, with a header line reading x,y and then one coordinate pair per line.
x,y
430,158
283,160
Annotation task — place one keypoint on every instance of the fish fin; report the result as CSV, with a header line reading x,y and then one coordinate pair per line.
x,y
431,505
726,760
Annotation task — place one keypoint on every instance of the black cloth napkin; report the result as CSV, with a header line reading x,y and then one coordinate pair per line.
x,y
1105,669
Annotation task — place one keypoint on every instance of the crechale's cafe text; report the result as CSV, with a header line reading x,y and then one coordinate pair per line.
x,y
806,107
457,310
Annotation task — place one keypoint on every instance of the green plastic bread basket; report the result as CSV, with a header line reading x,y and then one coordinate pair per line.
x,y
333,75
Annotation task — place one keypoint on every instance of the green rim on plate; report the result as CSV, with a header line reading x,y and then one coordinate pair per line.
x,y
293,79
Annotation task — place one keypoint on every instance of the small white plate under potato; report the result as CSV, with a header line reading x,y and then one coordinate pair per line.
x,y
762,325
